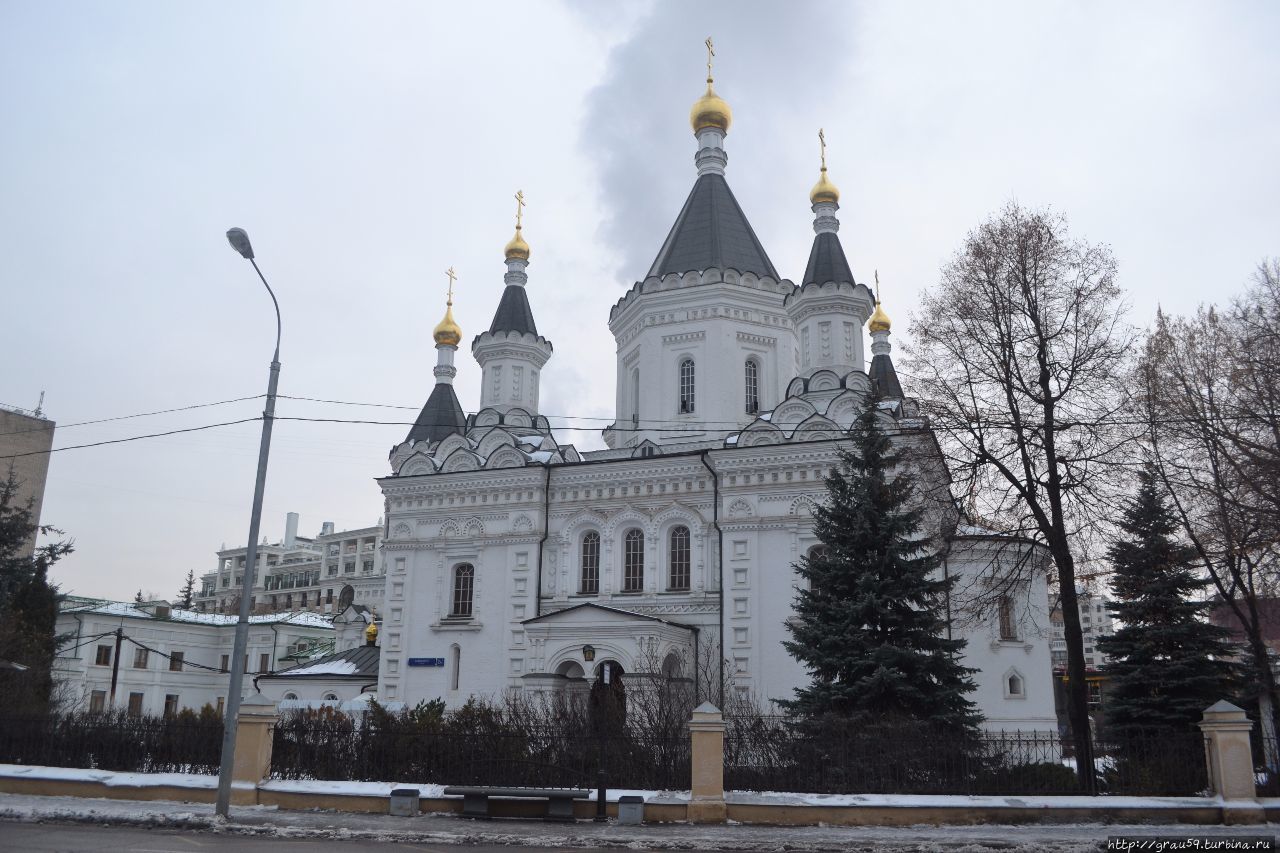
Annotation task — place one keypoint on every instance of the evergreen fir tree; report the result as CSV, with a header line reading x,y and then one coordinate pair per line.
x,y
1167,663
138,599
188,591
869,623
28,605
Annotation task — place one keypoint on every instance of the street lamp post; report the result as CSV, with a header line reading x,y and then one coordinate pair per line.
x,y
240,242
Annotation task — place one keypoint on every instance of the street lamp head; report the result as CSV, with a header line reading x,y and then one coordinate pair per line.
x,y
239,241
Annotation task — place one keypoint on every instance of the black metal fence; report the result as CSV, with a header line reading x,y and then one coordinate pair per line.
x,y
302,749
113,741
769,754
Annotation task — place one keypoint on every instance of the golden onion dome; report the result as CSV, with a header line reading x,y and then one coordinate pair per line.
x,y
824,190
879,321
517,247
448,332
710,111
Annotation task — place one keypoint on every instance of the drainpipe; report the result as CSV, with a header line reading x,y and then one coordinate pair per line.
x,y
546,531
715,522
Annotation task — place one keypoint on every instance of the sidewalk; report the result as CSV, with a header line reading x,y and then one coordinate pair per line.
x,y
448,829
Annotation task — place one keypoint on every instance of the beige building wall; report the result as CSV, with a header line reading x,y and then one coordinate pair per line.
x,y
23,432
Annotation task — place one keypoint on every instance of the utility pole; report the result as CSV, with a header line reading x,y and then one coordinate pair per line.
x,y
115,668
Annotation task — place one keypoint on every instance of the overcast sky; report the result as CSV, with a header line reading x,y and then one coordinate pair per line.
x,y
366,147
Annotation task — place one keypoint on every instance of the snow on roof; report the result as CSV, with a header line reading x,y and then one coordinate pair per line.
x,y
540,456
329,667
529,439
134,611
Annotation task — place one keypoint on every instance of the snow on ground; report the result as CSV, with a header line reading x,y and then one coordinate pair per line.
x,y
451,829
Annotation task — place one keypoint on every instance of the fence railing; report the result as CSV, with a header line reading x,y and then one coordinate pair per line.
x,y
113,741
301,750
772,755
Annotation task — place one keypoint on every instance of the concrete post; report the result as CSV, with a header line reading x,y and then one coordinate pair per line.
x,y
706,733
253,748
1229,757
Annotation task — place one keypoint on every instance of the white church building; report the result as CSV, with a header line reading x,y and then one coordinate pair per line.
x,y
515,562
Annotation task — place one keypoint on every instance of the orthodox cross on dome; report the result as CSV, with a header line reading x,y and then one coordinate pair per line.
x,y
877,272
711,52
822,146
452,275
519,206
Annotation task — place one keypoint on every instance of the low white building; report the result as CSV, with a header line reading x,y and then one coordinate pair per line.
x,y
164,659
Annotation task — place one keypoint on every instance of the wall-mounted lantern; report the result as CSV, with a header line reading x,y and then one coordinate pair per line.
x,y
588,653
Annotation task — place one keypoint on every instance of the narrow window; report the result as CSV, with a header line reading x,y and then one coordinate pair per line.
x,y
175,661
590,584
686,386
139,658
463,584
679,579
104,656
1007,627
170,704
633,561
753,386
456,654
635,396
226,663
1015,685
264,662
135,704
222,704
97,701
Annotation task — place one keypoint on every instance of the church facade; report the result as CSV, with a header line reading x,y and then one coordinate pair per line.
x,y
515,562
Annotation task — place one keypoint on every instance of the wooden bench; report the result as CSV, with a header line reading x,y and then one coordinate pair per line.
x,y
475,801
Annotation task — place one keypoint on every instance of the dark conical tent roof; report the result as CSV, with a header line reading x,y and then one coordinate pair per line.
x,y
712,231
514,313
827,261
885,378
441,417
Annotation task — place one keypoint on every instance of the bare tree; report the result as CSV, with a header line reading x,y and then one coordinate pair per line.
x,y
1018,358
1209,386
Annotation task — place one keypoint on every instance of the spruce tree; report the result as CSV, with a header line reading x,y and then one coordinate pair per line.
x,y
869,622
188,591
1167,663
28,605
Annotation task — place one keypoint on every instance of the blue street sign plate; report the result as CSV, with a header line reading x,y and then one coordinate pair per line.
x,y
426,661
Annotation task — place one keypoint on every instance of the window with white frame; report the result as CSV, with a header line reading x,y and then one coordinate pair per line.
x,y
686,386
1008,625
678,576
464,577
589,583
633,561
752,374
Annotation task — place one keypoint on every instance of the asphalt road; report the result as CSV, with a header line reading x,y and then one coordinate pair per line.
x,y
74,838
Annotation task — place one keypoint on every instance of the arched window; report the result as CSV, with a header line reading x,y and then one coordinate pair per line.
x,y
331,697
679,562
590,577
292,696
1015,685
464,578
686,386
752,373
455,665
635,396
819,552
633,561
1008,625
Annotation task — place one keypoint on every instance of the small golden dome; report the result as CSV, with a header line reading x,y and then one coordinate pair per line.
x,y
517,247
710,111
371,634
879,321
824,190
448,332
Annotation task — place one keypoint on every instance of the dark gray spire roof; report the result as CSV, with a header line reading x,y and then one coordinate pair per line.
x,y
514,313
827,261
440,417
885,378
712,231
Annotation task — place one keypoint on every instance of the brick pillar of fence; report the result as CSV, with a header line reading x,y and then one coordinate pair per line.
x,y
706,733
253,740
1229,756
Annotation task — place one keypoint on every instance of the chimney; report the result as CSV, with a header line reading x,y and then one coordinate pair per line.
x,y
291,530
326,529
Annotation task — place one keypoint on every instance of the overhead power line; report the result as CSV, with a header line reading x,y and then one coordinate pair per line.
x,y
141,414
130,438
